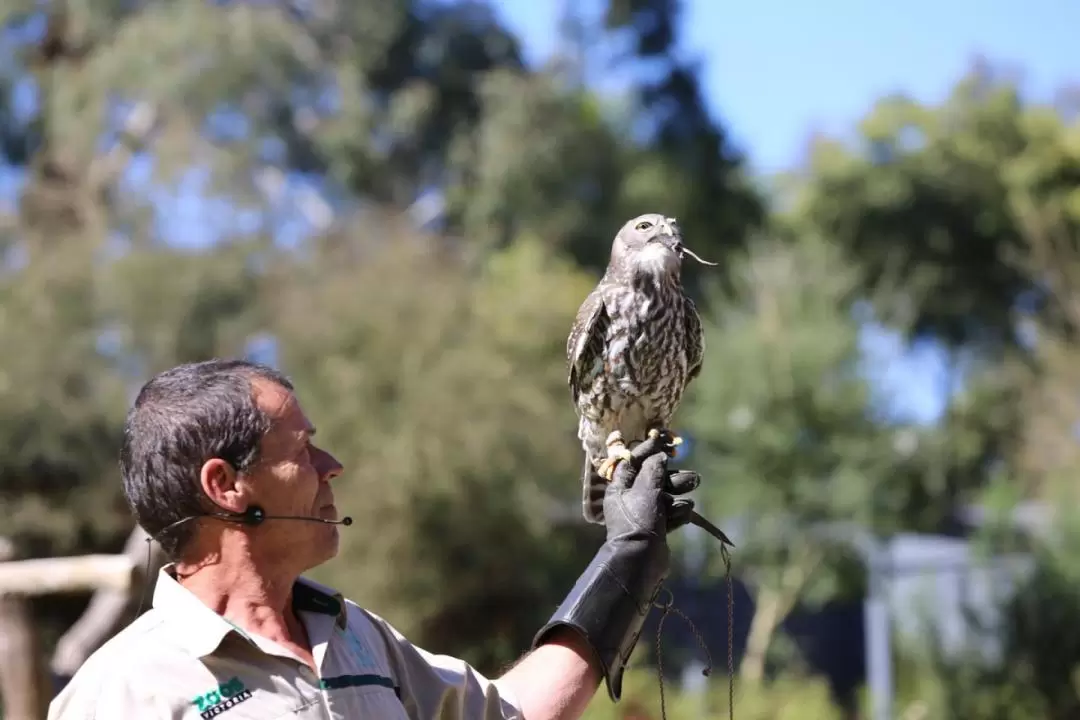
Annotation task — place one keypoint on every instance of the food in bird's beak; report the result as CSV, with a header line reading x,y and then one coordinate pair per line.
x,y
675,244
683,251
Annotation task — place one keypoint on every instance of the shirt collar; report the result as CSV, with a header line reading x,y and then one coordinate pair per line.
x,y
201,630
310,596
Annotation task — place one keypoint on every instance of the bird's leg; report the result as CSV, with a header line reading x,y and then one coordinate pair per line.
x,y
671,440
617,451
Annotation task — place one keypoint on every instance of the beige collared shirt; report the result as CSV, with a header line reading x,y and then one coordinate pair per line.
x,y
180,660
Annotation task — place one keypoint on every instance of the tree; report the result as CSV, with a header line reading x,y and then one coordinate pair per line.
x,y
789,438
297,129
963,216
780,422
967,211
927,198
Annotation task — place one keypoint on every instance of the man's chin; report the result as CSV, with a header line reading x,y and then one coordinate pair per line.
x,y
320,549
332,545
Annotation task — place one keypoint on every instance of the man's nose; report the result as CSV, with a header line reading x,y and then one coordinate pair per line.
x,y
327,465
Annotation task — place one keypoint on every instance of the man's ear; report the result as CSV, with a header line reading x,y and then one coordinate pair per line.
x,y
219,481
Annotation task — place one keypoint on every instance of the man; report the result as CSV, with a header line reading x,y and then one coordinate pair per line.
x,y
236,631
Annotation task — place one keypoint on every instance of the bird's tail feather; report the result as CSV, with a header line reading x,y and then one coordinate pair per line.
x,y
592,493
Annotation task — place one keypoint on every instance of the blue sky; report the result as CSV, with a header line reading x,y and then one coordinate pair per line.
x,y
773,71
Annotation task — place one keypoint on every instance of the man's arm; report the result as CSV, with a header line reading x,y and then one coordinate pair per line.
x,y
590,636
434,686
557,680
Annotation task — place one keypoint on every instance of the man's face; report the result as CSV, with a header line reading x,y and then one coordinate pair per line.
x,y
293,477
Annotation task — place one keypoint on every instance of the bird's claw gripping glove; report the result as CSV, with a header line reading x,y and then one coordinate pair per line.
x,y
611,599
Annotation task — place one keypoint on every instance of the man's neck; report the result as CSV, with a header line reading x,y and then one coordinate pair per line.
x,y
247,593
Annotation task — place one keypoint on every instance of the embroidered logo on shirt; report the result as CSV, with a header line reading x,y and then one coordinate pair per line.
x,y
224,697
361,655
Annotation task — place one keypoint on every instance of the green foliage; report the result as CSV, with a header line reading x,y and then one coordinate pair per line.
x,y
1034,671
780,415
938,200
1036,675
788,698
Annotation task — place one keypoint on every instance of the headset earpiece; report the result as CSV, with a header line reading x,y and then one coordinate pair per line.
x,y
254,515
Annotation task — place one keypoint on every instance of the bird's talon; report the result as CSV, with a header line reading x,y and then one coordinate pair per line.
x,y
607,468
614,439
617,452
669,439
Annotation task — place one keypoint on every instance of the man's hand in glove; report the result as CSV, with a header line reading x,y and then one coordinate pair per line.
x,y
595,628
610,600
640,500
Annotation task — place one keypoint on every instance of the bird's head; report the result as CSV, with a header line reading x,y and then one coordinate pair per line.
x,y
651,242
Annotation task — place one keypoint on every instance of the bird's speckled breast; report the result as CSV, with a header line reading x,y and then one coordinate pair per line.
x,y
645,362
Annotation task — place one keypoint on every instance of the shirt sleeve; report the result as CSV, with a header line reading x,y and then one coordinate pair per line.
x,y
440,687
96,696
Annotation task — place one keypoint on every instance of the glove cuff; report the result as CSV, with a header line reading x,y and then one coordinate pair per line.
x,y
610,600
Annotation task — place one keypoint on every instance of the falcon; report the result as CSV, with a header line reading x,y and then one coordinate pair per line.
x,y
635,345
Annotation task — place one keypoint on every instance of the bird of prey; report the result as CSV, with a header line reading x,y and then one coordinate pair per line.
x,y
635,345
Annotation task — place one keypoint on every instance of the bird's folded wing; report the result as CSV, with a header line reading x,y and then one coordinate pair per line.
x,y
585,346
695,339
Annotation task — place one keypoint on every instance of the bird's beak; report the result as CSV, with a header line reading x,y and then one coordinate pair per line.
x,y
669,240
668,235
672,240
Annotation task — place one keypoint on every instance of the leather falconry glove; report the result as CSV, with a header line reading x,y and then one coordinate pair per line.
x,y
611,599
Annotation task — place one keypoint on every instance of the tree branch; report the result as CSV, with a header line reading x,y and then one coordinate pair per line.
x,y
773,604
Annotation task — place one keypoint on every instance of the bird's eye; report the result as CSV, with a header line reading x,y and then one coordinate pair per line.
x,y
643,225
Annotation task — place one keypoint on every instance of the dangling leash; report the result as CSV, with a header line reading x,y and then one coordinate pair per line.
x,y
669,607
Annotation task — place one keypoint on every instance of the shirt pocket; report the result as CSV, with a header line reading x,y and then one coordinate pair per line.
x,y
310,710
364,701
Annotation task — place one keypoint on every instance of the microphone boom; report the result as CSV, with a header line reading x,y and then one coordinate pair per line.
x,y
346,521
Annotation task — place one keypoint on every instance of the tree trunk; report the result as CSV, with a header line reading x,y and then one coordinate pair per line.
x,y
772,606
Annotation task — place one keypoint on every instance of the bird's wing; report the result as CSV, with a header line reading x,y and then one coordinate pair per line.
x,y
584,347
695,339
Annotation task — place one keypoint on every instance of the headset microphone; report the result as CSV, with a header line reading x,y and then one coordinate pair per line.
x,y
254,515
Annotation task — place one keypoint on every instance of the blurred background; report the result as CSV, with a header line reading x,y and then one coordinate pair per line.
x,y
401,203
